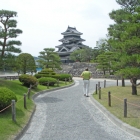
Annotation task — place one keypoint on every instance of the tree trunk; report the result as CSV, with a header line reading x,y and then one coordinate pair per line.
x,y
134,86
123,82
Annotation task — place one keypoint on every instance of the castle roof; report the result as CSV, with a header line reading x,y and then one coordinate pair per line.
x,y
71,41
72,45
71,31
66,40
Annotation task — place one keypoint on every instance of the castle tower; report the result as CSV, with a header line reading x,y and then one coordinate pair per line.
x,y
71,41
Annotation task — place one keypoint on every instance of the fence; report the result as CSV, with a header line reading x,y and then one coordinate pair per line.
x,y
9,77
121,107
24,99
13,104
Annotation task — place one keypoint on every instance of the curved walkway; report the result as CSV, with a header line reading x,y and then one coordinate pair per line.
x,y
66,114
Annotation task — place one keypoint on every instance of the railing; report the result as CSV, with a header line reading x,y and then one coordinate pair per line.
x,y
13,104
9,77
124,107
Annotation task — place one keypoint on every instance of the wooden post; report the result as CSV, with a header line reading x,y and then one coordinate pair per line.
x,y
104,83
13,111
117,82
99,92
25,101
98,85
65,81
96,88
125,108
109,98
29,93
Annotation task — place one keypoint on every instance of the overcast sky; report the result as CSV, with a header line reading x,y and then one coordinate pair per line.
x,y
43,21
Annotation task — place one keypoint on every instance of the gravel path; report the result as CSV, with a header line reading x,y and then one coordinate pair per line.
x,y
67,115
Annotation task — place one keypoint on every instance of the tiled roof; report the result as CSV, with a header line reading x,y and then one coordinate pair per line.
x,y
71,30
71,39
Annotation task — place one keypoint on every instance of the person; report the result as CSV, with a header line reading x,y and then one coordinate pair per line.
x,y
86,75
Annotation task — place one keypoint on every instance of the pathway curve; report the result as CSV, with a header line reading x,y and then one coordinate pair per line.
x,y
68,115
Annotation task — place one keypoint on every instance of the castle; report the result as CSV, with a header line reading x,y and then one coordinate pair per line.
x,y
71,41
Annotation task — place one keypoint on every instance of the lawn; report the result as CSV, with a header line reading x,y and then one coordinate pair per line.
x,y
8,128
118,94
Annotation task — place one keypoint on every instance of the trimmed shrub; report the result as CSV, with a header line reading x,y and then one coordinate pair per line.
x,y
56,76
39,75
45,80
27,80
47,73
6,97
65,76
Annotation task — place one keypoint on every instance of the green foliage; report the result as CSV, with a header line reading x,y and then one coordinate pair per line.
x,y
47,73
8,31
8,62
6,97
50,73
65,76
105,60
82,55
128,3
56,76
125,38
39,75
129,72
76,55
47,81
49,59
102,45
26,63
27,80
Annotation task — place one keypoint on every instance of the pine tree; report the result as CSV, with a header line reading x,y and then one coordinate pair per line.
x,y
8,31
125,39
49,59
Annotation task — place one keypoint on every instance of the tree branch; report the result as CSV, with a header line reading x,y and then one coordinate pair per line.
x,y
131,80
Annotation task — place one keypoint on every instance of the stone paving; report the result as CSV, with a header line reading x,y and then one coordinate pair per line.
x,y
67,115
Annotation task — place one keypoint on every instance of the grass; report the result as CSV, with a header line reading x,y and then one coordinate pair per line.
x,y
118,94
8,128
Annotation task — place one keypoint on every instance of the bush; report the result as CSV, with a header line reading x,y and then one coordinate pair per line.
x,y
39,75
47,73
65,76
27,80
6,97
56,76
45,80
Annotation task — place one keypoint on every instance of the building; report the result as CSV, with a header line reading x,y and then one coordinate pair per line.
x,y
71,41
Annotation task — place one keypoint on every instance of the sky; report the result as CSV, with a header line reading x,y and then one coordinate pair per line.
x,y
43,21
